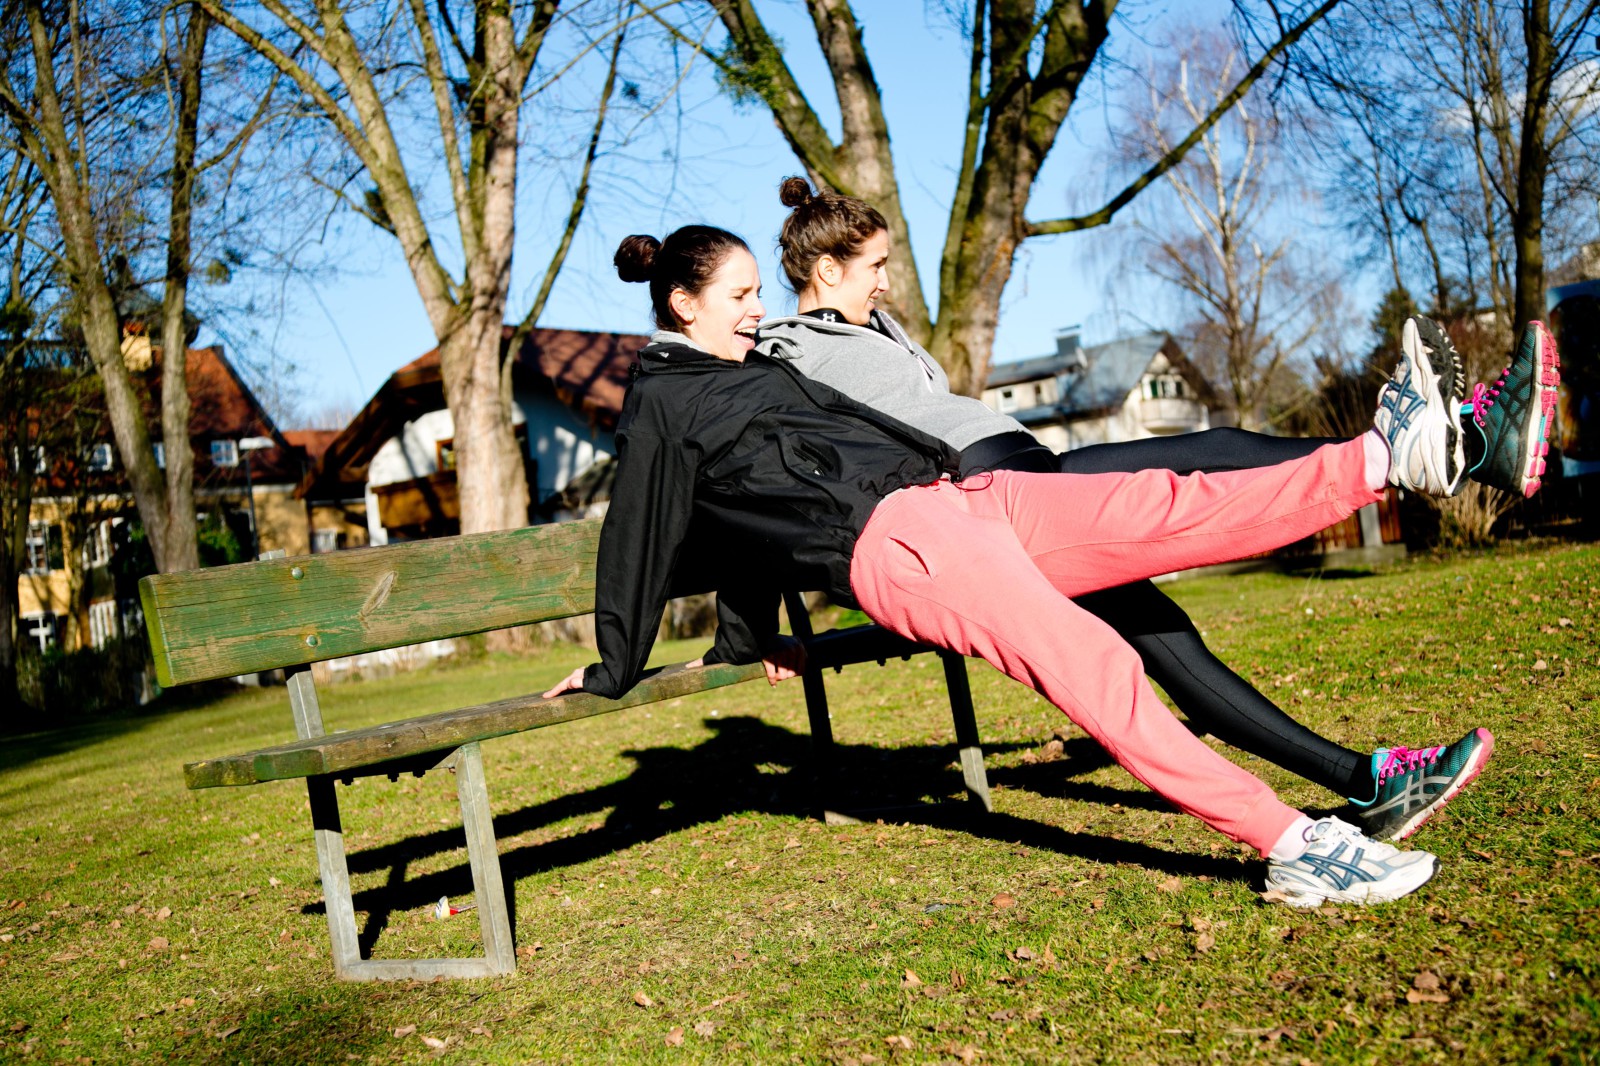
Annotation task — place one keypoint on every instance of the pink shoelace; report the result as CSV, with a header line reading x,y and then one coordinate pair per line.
x,y
1483,397
1402,760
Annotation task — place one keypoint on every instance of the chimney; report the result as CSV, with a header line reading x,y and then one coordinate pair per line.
x,y
1068,347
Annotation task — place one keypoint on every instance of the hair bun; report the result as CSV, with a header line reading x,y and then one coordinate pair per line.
x,y
795,192
636,257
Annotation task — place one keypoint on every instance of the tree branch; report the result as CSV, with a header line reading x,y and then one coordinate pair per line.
x,y
1175,156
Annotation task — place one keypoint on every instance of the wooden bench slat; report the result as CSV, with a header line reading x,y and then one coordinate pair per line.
x,y
227,620
338,752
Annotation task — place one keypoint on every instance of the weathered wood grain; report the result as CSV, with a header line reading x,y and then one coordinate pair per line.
x,y
229,620
337,752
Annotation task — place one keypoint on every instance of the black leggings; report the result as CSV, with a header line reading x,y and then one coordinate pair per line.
x,y
1209,694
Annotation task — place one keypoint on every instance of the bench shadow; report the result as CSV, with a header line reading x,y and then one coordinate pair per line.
x,y
749,766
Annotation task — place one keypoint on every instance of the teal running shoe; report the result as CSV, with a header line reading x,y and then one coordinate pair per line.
x,y
1509,425
1342,866
1414,783
1419,412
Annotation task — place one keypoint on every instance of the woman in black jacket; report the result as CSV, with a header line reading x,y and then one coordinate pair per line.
x,y
814,490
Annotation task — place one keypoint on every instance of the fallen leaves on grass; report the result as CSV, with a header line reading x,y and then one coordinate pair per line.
x,y
434,1042
674,1037
643,1000
1204,942
705,1027
910,980
898,1043
1003,901
404,1031
1427,988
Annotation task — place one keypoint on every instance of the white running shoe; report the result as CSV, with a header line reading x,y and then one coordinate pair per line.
x,y
1418,412
1343,866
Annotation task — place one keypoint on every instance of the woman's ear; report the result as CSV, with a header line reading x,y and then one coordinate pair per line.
x,y
683,306
828,271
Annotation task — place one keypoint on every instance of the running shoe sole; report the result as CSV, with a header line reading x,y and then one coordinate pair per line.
x,y
1434,375
1536,450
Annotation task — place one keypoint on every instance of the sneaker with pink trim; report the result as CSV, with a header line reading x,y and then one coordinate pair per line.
x,y
1508,423
1414,783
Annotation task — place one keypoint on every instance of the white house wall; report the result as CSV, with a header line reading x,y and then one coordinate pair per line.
x,y
562,442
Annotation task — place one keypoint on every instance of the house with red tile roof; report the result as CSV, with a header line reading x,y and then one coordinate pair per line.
x,y
392,469
82,515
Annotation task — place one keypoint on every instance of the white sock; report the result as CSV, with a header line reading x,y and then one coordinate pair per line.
x,y
1377,452
1294,842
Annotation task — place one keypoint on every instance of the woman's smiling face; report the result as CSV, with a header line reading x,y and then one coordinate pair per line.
x,y
723,317
862,280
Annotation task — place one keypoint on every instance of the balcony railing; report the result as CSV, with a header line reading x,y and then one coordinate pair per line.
x,y
1169,414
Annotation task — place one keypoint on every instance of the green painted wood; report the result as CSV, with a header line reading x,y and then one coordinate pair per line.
x,y
228,620
338,752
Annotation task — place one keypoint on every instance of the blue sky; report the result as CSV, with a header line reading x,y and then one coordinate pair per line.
x,y
344,333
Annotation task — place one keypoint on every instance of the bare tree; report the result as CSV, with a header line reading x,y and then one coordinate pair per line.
x,y
365,69
1472,157
26,264
1259,298
1027,64
79,94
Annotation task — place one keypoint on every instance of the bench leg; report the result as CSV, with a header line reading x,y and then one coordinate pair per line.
x,y
329,831
966,723
489,892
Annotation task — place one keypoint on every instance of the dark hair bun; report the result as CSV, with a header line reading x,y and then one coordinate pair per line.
x,y
636,257
795,192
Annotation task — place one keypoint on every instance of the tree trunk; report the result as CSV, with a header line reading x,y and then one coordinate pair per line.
x,y
490,478
65,169
1533,164
181,548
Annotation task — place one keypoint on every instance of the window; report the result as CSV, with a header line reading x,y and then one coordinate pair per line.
x,y
44,548
224,453
1008,399
102,622
1167,388
41,629
1038,395
100,457
161,454
325,540
445,455
132,615
97,545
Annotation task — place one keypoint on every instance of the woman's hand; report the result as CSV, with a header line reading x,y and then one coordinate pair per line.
x,y
786,660
573,682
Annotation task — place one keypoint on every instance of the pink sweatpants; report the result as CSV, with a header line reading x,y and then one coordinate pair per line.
x,y
986,567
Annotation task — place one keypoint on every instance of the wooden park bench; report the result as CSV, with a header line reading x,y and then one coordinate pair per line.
x,y
288,613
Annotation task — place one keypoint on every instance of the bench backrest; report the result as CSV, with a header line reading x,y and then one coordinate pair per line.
x,y
228,620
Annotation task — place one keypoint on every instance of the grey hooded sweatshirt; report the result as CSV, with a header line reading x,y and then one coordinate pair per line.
x,y
890,373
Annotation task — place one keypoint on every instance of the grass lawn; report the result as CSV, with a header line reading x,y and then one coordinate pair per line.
x,y
676,903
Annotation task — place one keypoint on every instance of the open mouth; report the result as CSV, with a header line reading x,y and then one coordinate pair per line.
x,y
748,334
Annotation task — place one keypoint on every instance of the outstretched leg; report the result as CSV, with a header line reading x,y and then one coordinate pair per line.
x,y
1218,700
928,567
1209,451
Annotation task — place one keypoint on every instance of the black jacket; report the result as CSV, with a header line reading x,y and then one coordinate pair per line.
x,y
776,476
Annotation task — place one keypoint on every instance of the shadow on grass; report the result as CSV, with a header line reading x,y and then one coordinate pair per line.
x,y
289,1026
751,766
21,748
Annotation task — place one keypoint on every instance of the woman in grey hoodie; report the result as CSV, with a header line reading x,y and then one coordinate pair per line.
x,y
834,251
